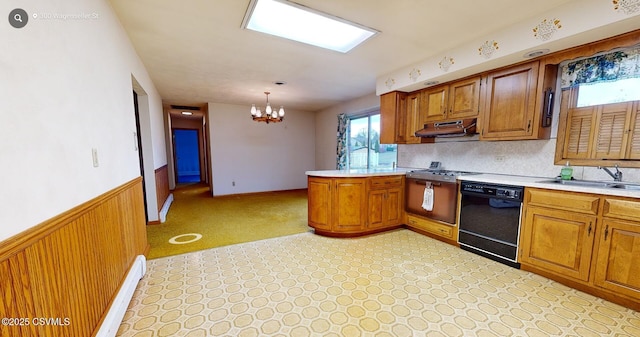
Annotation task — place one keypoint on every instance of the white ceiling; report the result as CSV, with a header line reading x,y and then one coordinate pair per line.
x,y
196,51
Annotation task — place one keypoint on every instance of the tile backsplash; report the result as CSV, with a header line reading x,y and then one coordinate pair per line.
x,y
527,158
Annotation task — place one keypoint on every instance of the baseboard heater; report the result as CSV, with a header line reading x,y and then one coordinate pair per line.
x,y
113,319
165,208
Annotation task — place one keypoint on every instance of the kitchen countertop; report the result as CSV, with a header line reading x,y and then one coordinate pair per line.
x,y
504,179
354,173
536,182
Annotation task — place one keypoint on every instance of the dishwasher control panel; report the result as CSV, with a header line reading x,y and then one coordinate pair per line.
x,y
491,190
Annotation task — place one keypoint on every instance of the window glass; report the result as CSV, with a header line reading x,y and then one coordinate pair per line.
x,y
365,150
609,92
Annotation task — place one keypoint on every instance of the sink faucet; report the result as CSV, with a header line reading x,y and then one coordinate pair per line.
x,y
616,176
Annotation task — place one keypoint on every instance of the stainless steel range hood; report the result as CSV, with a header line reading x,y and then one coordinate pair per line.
x,y
456,128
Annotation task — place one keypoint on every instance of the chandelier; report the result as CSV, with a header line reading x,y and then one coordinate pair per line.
x,y
269,115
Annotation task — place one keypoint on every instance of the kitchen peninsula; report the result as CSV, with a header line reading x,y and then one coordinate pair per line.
x,y
355,202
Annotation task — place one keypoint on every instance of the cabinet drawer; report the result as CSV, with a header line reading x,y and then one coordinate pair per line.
x,y
445,231
386,182
577,202
622,209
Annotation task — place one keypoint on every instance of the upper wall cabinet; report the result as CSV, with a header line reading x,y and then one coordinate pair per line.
x,y
393,121
415,108
514,102
400,118
457,100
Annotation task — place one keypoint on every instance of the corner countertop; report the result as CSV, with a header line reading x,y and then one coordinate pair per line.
x,y
354,173
538,182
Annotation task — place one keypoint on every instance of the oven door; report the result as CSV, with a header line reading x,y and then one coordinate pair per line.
x,y
444,199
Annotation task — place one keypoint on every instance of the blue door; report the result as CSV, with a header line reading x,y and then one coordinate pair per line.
x,y
187,155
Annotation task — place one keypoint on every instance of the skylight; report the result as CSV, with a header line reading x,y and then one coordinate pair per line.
x,y
299,23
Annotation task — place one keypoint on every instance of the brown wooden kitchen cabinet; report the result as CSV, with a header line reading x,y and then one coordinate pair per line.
x,y
386,202
558,232
337,204
510,103
393,118
458,100
319,211
618,262
415,105
341,206
588,241
400,118
514,102
435,229
558,241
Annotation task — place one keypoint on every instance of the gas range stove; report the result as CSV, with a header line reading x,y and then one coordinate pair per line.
x,y
437,175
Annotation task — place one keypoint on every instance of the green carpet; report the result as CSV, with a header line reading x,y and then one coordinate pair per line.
x,y
226,220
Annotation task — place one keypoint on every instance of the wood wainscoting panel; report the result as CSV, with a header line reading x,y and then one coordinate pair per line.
x,y
69,269
162,185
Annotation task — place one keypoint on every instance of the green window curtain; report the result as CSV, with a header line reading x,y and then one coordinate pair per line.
x,y
343,137
613,66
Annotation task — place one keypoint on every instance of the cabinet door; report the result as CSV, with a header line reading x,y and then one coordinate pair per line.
x,y
349,204
464,99
612,123
394,205
618,262
414,119
319,202
558,241
393,118
581,129
510,103
377,208
435,101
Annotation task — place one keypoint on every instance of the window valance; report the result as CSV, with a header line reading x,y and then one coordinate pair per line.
x,y
612,66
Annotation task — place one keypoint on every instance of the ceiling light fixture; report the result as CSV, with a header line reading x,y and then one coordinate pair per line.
x,y
300,23
270,115
536,53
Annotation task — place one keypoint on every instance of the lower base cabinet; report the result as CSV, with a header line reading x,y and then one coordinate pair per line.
x,y
589,241
439,230
355,206
618,260
559,241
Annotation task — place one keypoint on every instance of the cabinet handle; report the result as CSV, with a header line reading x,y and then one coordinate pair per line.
x,y
529,126
606,232
589,230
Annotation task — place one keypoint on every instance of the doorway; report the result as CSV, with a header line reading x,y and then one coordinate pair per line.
x,y
187,155
138,140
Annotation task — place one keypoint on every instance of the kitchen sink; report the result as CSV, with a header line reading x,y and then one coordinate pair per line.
x,y
585,183
627,186
596,184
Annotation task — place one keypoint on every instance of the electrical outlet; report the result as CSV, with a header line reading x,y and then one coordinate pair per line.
x,y
233,183
500,158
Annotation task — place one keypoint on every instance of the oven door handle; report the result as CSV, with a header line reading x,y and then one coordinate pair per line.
x,y
424,182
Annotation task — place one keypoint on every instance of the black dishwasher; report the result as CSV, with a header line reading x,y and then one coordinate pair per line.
x,y
490,220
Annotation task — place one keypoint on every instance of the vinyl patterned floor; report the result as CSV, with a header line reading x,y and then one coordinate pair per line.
x,y
398,283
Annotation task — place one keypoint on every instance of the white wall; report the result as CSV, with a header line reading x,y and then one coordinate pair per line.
x,y
65,88
257,156
327,127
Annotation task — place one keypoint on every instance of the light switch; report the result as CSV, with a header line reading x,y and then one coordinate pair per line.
x,y
94,154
